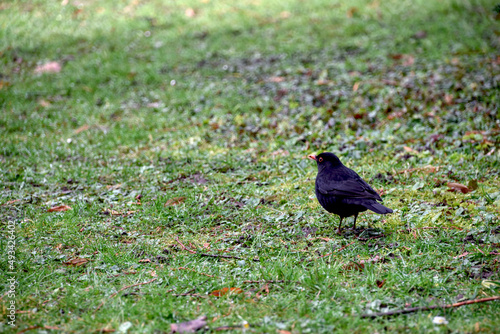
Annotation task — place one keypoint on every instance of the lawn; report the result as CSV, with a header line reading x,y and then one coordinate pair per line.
x,y
154,165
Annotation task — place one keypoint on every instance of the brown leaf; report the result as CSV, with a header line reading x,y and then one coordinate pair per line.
x,y
174,201
59,208
408,60
104,330
355,87
282,331
223,291
44,103
380,283
420,34
457,187
189,326
448,99
190,12
351,12
145,261
82,128
410,150
377,258
276,79
76,262
461,255
50,67
11,202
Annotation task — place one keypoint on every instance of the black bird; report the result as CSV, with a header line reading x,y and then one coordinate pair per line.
x,y
341,191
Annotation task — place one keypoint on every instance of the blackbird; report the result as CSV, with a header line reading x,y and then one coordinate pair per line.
x,y
341,191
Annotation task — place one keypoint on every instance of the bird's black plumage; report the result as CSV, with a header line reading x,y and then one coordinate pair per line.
x,y
341,191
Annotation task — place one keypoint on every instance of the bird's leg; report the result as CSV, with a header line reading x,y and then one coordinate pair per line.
x,y
340,224
355,217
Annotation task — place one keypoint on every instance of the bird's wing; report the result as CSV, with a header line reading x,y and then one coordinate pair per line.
x,y
354,188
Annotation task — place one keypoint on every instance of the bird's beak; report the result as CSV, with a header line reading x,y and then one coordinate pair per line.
x,y
312,156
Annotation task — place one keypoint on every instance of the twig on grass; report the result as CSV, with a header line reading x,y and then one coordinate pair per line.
x,y
374,237
226,256
37,327
338,250
184,247
432,228
426,308
125,287
270,281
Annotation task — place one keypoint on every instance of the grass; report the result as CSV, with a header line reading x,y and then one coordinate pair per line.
x,y
176,129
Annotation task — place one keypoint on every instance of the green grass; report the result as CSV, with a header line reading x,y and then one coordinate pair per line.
x,y
215,113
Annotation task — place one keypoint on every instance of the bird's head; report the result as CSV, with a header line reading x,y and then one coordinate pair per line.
x,y
325,159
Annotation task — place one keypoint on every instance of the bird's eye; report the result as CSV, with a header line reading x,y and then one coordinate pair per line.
x,y
320,159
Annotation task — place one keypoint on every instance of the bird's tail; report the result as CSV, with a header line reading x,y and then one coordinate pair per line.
x,y
377,207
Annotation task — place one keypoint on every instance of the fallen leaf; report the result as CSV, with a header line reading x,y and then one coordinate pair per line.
x,y
461,255
351,12
44,103
377,258
420,34
457,187
189,326
410,150
82,128
144,261
50,67
354,266
154,105
285,14
282,331
322,82
11,202
355,87
448,99
105,330
59,208
223,291
380,283
76,262
190,12
174,201
276,79
408,60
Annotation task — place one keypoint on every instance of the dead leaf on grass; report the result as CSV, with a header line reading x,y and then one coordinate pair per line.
x,y
276,79
76,262
11,202
420,34
82,128
189,326
59,208
457,187
174,201
44,103
50,67
410,150
351,12
461,255
380,283
145,261
189,12
223,291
